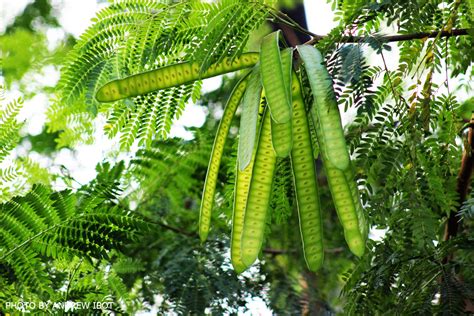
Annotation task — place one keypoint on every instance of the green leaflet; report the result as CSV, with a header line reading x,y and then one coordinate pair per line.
x,y
249,117
259,195
169,76
273,79
305,182
325,109
242,186
215,160
281,132
346,201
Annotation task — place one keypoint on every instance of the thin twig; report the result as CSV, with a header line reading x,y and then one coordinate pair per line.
x,y
446,66
286,20
175,229
395,37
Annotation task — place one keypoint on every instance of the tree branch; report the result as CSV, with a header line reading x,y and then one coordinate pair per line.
x,y
175,229
396,37
462,187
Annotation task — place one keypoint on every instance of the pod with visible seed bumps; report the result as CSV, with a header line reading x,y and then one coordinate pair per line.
x,y
278,97
169,76
305,182
258,200
346,201
325,109
281,132
216,155
241,191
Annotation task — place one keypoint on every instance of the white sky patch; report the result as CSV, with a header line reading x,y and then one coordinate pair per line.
x,y
9,10
193,116
211,84
81,162
257,307
54,37
75,16
48,76
33,113
377,234
319,16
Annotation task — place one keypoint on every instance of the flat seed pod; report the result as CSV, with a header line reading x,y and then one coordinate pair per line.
x,y
363,225
242,186
287,70
281,138
258,200
273,80
346,209
216,155
169,76
281,132
346,201
325,108
305,182
249,117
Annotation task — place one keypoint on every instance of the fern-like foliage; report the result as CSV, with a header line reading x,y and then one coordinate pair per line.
x,y
173,168
9,125
404,139
409,283
15,177
200,280
226,33
45,224
105,281
192,278
131,36
285,297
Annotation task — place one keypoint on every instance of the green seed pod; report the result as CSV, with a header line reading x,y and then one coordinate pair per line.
x,y
216,156
346,201
259,195
346,208
249,118
278,97
281,132
325,109
169,76
363,224
305,182
242,186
